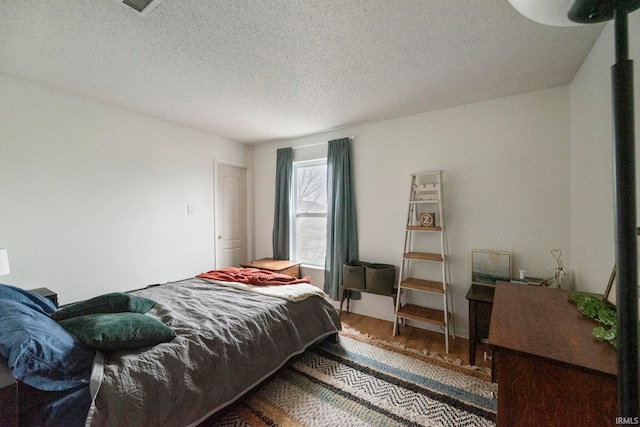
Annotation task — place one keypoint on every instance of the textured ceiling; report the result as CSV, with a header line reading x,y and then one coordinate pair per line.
x,y
253,71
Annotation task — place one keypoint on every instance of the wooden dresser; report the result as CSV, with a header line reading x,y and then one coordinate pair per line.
x,y
550,370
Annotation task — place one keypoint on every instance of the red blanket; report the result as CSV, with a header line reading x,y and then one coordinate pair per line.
x,y
252,276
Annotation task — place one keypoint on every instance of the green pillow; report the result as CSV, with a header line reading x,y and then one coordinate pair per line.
x,y
116,302
114,331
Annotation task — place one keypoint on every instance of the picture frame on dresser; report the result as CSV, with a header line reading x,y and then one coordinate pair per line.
x,y
489,267
610,292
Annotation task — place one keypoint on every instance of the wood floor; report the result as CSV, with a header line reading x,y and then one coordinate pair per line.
x,y
414,338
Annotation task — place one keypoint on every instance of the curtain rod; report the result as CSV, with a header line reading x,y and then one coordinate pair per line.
x,y
311,145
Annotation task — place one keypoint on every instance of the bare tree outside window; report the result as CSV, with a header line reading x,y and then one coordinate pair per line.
x,y
310,225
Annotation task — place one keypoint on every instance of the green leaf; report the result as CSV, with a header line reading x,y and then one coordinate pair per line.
x,y
608,335
600,311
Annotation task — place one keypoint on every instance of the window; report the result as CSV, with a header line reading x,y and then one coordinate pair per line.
x,y
309,225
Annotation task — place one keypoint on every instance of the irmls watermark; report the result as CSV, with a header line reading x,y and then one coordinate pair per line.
x,y
627,421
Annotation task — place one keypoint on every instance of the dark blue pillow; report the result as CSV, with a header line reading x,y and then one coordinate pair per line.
x,y
27,298
42,353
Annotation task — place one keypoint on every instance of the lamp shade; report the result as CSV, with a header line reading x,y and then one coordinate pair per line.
x,y
549,12
4,262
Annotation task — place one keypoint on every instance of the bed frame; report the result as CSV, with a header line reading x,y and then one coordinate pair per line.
x,y
17,397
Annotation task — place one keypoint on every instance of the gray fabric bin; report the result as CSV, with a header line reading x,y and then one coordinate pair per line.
x,y
379,278
353,274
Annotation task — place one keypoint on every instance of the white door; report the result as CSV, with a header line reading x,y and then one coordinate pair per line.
x,y
231,216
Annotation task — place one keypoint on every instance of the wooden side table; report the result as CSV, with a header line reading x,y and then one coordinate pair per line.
x,y
286,266
480,306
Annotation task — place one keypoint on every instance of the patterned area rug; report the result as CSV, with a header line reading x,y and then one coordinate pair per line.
x,y
425,355
354,383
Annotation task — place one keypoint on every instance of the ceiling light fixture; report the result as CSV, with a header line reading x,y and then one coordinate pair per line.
x,y
568,12
142,7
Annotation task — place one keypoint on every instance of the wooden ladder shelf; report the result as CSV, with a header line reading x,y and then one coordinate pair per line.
x,y
420,261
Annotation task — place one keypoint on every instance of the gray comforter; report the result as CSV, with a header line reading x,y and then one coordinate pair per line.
x,y
228,341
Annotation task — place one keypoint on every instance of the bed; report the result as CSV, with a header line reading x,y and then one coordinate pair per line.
x,y
229,337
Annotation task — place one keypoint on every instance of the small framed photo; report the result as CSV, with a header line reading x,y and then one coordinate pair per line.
x,y
610,292
489,267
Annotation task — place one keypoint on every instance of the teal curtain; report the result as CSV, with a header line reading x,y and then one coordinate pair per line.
x,y
281,215
342,233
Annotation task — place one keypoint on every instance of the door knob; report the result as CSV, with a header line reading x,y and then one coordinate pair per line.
x,y
219,236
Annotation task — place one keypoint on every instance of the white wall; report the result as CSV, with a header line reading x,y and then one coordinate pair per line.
x,y
94,198
506,185
592,197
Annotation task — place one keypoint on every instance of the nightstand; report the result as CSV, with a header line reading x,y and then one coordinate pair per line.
x,y
480,306
47,293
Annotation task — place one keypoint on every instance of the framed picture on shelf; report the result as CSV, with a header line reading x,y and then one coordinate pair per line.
x,y
489,267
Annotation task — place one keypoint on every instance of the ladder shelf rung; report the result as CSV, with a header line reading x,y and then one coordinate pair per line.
x,y
421,314
423,256
428,187
436,172
422,285
424,201
422,228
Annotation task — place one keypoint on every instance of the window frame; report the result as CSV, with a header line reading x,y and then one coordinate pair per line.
x,y
294,214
